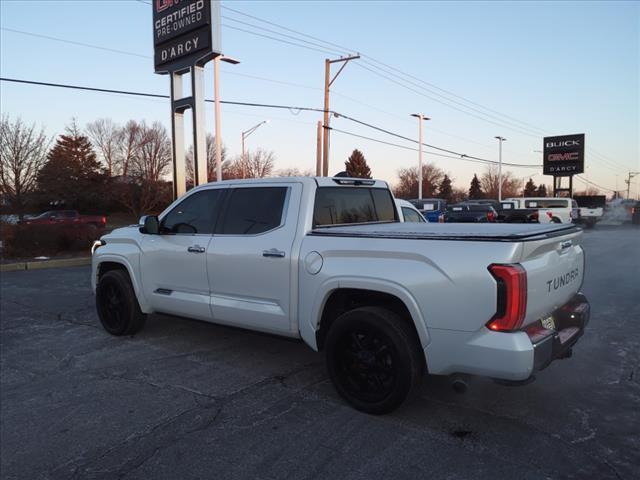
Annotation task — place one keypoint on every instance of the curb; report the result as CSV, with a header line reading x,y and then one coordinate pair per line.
x,y
59,263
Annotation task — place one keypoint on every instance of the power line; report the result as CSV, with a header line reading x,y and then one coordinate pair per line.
x,y
83,44
262,105
47,37
400,74
405,147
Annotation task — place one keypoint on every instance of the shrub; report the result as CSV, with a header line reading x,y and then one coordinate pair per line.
x,y
46,240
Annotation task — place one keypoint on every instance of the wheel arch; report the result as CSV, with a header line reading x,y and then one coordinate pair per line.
x,y
108,263
348,295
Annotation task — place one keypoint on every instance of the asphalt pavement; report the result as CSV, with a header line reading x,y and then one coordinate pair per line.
x,y
186,399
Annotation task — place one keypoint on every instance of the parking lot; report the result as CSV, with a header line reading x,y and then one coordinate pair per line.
x,y
186,399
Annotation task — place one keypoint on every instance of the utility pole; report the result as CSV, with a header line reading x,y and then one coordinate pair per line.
x,y
500,140
245,134
628,181
218,115
328,81
420,118
319,150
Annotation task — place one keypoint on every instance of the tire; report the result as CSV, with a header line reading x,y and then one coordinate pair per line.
x,y
117,304
374,359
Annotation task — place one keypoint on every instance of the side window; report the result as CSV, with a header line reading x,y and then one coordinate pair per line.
x,y
253,210
195,214
411,215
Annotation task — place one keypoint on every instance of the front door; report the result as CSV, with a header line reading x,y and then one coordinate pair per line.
x,y
249,259
174,263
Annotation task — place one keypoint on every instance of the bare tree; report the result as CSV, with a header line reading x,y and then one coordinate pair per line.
x,y
211,161
154,152
489,181
128,145
23,151
147,149
293,172
105,136
407,186
257,164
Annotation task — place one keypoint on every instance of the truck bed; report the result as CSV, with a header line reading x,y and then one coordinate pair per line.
x,y
506,232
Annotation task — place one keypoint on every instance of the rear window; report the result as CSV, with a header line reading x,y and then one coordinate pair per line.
x,y
345,205
254,210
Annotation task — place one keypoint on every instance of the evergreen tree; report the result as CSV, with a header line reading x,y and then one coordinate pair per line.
x,y
475,190
445,190
356,166
72,174
542,190
530,189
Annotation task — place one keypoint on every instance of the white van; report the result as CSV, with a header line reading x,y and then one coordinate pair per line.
x,y
558,210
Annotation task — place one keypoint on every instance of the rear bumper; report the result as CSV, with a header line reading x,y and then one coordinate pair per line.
x,y
570,321
514,356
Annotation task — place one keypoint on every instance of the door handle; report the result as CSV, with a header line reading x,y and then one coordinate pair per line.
x,y
274,252
196,249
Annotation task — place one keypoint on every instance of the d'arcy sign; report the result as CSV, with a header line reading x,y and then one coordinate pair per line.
x,y
563,155
182,33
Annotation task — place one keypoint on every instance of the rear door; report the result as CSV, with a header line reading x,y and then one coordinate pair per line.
x,y
249,260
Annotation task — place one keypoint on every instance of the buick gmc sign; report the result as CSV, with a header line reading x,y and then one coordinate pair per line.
x,y
564,155
185,33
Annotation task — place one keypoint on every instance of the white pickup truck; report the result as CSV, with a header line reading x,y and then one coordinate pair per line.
x,y
326,260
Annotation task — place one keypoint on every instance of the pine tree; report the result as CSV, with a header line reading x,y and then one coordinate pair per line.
x,y
72,174
356,166
530,189
475,190
542,190
445,190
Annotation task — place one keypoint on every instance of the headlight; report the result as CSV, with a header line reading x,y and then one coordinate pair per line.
x,y
97,244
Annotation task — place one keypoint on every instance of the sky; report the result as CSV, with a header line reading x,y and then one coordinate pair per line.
x,y
520,70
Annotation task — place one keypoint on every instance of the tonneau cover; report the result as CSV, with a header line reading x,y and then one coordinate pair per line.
x,y
505,232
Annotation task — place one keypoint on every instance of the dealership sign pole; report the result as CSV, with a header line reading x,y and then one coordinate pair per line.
x,y
563,156
186,35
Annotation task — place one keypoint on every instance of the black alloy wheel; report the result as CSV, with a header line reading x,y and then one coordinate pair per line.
x,y
374,359
117,304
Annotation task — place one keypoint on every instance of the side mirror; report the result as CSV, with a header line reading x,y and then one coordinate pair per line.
x,y
149,224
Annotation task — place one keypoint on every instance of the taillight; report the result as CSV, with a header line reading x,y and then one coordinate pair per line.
x,y
550,215
104,220
512,297
490,216
534,215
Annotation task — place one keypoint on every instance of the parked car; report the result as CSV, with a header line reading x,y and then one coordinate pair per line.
x,y
591,208
557,209
470,212
409,213
510,212
66,217
327,260
431,208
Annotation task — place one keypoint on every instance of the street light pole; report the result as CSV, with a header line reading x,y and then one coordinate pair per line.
x,y
245,134
216,93
327,83
500,140
420,118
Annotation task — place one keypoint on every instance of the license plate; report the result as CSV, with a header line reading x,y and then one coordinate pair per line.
x,y
548,323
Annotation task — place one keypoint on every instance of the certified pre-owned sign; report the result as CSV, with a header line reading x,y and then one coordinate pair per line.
x,y
183,33
563,155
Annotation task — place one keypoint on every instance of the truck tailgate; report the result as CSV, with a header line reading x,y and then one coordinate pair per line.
x,y
555,270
